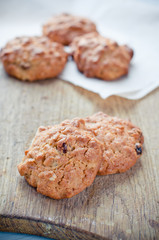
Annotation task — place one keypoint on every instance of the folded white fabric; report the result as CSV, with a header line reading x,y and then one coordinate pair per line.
x,y
135,23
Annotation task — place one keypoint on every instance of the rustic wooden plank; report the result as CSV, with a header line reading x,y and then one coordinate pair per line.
x,y
121,206
42,228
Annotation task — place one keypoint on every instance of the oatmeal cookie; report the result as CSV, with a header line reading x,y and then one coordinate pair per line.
x,y
62,160
100,57
122,142
64,28
33,58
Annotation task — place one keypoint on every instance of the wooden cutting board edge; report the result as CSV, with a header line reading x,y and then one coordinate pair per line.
x,y
44,228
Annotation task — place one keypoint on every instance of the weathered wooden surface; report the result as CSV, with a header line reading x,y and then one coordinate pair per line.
x,y
121,206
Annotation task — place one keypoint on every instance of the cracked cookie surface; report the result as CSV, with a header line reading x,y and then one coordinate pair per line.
x,y
100,57
62,160
33,58
64,28
122,142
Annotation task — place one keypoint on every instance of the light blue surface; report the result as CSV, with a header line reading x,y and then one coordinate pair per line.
x,y
18,236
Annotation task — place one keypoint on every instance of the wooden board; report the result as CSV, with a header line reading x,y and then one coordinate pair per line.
x,y
120,206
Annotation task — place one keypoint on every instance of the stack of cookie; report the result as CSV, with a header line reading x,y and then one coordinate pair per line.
x,y
64,159
35,58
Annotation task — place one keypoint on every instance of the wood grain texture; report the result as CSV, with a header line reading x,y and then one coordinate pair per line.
x,y
120,206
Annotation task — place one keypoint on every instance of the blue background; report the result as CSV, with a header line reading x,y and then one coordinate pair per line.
x,y
18,236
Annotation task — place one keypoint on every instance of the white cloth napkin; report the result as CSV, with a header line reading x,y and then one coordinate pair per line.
x,y
134,23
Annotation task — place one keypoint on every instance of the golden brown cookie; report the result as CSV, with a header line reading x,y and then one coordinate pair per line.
x,y
100,57
64,28
33,58
62,160
122,142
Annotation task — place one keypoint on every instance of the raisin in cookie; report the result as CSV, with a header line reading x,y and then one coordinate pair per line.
x,y
122,142
62,160
64,28
33,58
100,57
